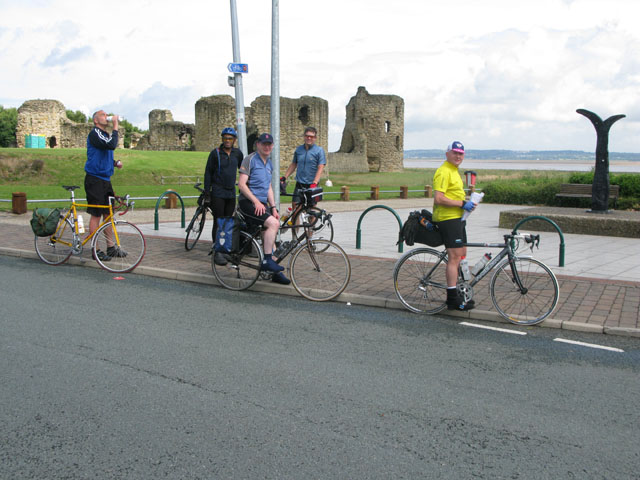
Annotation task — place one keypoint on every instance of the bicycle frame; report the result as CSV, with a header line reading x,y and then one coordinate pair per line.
x,y
507,251
73,212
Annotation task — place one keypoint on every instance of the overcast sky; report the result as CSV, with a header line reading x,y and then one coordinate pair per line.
x,y
503,74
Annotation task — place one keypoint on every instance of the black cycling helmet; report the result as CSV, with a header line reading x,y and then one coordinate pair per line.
x,y
229,131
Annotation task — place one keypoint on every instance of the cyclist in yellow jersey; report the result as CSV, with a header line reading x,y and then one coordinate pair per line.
x,y
449,202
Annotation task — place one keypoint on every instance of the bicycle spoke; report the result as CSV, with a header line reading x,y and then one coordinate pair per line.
x,y
242,269
533,302
420,281
57,248
124,250
321,273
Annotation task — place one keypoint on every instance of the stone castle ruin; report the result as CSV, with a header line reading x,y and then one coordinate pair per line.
x,y
217,112
166,134
49,118
372,139
374,127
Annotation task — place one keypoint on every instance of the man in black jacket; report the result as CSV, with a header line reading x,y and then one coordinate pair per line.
x,y
220,181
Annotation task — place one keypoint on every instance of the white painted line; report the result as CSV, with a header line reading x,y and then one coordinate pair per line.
x,y
591,345
515,332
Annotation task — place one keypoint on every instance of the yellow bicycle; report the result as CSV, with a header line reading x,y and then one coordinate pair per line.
x,y
116,245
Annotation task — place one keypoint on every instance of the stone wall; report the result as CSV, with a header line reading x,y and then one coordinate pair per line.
x,y
212,115
295,115
374,126
217,112
346,163
166,134
49,118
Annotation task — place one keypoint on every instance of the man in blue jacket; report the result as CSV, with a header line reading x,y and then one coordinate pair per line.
x,y
99,169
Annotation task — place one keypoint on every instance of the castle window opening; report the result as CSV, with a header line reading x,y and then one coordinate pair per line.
x,y
387,126
303,114
397,143
52,142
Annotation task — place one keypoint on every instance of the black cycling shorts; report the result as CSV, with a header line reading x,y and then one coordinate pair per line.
x,y
249,213
297,197
454,232
98,192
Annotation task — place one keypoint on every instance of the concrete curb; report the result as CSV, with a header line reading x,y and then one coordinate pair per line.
x,y
365,300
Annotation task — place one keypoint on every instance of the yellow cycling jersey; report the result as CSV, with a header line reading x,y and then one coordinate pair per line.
x,y
447,180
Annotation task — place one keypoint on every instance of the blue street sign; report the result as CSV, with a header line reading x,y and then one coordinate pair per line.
x,y
238,68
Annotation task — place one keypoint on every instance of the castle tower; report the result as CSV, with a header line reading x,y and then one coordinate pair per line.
x,y
375,127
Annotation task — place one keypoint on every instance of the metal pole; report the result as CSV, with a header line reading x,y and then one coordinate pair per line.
x,y
237,81
275,100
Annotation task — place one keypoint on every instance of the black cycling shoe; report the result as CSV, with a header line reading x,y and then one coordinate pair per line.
x,y
116,251
103,257
460,305
219,259
280,278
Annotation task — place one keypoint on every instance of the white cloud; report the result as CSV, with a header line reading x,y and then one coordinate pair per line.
x,y
495,74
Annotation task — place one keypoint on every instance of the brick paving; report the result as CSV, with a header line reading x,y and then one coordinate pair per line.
x,y
595,305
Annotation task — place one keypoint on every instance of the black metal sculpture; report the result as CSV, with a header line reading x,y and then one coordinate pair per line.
x,y
600,187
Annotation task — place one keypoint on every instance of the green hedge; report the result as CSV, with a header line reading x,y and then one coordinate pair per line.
x,y
629,188
542,191
521,194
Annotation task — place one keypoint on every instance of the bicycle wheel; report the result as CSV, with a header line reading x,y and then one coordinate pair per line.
x,y
194,230
242,268
321,273
420,281
57,248
130,244
536,302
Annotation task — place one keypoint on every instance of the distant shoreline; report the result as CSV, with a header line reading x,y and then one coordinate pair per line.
x,y
615,166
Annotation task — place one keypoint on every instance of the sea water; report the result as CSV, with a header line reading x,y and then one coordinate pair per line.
x,y
615,166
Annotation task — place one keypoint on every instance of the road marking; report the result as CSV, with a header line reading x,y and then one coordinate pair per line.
x,y
591,345
515,332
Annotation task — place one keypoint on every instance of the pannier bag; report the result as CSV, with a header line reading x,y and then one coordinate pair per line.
x,y
419,228
313,195
227,235
45,221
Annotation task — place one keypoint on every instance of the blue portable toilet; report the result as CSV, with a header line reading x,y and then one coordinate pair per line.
x,y
42,141
27,141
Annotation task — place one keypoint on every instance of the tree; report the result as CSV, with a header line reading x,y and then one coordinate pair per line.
x,y
128,129
76,116
8,125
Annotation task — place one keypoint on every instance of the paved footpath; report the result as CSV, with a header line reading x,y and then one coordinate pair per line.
x,y
599,284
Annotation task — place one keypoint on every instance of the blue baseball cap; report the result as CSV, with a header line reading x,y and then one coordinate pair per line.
x,y
265,138
456,147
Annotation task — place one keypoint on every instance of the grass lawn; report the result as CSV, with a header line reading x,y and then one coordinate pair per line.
x,y
40,173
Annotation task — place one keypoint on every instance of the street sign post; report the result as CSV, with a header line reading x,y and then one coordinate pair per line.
x,y
238,68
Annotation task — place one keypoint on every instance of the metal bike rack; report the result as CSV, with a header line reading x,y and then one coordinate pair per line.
x,y
155,216
359,232
554,225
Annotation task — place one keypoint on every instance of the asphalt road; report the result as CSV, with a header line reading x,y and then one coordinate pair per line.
x,y
149,378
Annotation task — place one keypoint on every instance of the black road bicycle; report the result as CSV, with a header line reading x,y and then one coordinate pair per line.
x,y
196,225
524,290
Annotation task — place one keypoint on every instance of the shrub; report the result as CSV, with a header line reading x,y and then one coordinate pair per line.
x,y
521,194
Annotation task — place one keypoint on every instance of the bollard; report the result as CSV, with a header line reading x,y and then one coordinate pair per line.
x,y
375,192
171,201
344,193
19,202
404,191
427,191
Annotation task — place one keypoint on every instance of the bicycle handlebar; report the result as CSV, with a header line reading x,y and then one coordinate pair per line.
x,y
118,202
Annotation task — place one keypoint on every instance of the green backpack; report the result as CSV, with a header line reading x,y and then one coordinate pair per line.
x,y
45,221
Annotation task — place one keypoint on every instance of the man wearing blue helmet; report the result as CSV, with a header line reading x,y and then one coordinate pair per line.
x,y
220,181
